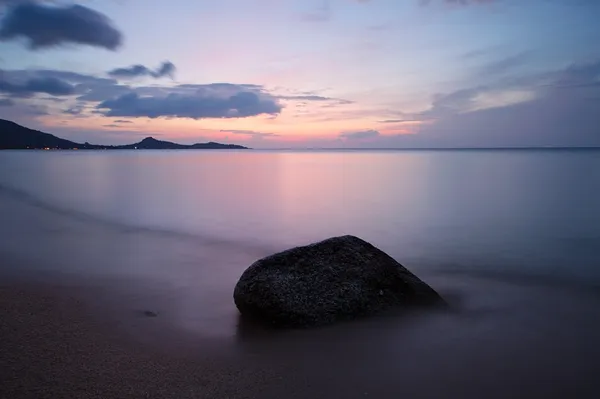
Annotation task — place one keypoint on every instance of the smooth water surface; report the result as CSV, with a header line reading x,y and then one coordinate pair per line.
x,y
523,211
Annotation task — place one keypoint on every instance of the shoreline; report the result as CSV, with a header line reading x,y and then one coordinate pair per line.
x,y
62,338
56,342
74,289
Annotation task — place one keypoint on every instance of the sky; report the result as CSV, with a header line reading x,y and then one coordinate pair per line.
x,y
305,73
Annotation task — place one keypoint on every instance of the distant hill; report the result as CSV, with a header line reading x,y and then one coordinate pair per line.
x,y
150,143
17,137
13,136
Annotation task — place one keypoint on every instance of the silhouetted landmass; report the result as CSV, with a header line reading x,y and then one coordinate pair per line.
x,y
16,137
150,143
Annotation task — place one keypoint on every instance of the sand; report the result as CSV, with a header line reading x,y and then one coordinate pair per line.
x,y
59,340
55,345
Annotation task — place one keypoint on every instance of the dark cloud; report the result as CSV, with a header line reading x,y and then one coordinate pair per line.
x,y
47,26
196,105
579,75
251,133
6,102
101,92
30,87
86,87
4,3
122,121
330,100
108,97
220,86
306,98
167,68
75,110
10,2
364,134
72,77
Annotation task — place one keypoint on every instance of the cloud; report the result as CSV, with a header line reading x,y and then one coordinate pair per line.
x,y
167,68
559,112
37,110
87,87
75,110
306,98
13,2
46,26
108,97
333,101
205,102
508,92
30,87
122,121
10,2
68,76
6,102
364,134
99,92
579,75
251,133
506,64
479,2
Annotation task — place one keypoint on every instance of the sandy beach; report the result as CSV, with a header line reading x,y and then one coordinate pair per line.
x,y
58,342
55,344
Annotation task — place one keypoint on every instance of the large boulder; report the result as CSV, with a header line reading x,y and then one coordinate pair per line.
x,y
337,279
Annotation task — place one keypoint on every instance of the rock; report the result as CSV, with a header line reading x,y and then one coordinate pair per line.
x,y
337,279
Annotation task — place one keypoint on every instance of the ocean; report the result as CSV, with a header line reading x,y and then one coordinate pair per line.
x,y
511,238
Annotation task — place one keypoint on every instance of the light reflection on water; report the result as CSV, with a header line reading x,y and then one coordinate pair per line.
x,y
533,210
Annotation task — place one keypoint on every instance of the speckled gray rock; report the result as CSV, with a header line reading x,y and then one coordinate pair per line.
x,y
340,278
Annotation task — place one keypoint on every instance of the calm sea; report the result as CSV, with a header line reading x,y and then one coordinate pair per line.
x,y
510,237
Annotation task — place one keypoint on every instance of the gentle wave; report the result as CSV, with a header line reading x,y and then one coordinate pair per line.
x,y
524,279
82,216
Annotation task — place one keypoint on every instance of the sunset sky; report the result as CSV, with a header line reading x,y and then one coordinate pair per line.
x,y
305,73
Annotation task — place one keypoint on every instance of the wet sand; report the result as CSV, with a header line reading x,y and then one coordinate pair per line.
x,y
62,338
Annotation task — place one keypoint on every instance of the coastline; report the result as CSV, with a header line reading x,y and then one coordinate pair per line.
x,y
75,286
62,339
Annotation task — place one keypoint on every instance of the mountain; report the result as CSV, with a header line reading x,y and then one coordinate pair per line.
x,y
150,143
13,136
17,137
